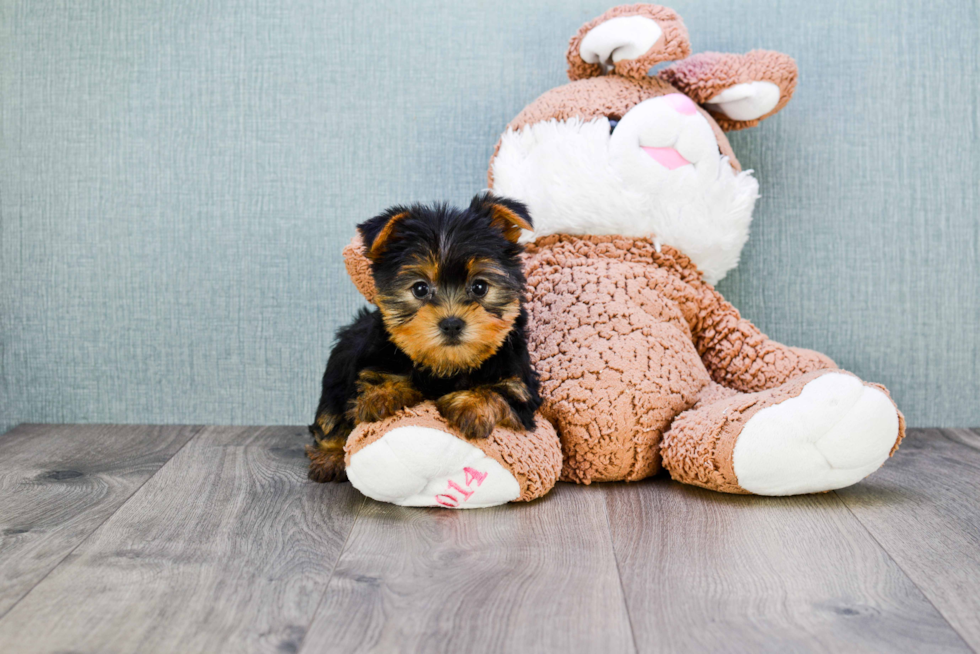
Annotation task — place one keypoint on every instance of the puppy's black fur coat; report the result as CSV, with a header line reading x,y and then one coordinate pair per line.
x,y
453,255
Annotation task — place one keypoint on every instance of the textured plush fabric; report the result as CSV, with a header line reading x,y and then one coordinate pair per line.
x,y
667,285
533,458
706,74
359,267
613,348
177,181
673,43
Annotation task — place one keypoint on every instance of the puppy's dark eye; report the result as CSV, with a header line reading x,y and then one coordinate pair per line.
x,y
480,288
420,289
612,125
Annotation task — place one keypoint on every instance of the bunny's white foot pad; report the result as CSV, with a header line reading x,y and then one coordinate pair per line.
x,y
422,466
835,433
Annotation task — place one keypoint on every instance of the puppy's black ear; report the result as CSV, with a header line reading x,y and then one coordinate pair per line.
x,y
509,216
378,231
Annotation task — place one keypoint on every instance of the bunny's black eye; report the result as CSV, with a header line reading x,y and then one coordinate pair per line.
x,y
420,290
612,125
480,288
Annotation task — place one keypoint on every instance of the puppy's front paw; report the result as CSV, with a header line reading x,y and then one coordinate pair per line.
x,y
327,460
380,396
477,412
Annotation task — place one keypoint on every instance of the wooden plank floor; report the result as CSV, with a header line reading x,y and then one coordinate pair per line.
x,y
189,539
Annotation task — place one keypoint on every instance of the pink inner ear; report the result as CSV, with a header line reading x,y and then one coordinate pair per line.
x,y
669,158
681,104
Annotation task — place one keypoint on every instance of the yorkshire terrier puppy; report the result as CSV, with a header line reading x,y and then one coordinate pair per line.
x,y
449,327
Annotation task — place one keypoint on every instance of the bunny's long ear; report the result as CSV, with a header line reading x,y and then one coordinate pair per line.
x,y
738,90
628,39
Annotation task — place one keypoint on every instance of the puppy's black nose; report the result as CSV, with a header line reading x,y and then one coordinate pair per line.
x,y
451,326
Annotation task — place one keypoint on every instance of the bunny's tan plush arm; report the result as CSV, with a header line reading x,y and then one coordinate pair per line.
x,y
738,355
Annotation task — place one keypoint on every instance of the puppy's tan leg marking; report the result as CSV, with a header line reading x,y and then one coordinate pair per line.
x,y
381,395
325,424
477,411
327,454
514,388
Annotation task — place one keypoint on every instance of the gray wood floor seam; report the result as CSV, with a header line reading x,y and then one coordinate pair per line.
x,y
922,589
705,571
520,577
6,606
333,571
619,571
226,550
966,437
898,565
922,507
197,430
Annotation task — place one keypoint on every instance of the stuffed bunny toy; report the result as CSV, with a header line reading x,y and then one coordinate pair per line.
x,y
639,206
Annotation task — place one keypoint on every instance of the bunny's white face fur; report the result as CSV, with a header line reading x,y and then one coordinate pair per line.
x,y
659,173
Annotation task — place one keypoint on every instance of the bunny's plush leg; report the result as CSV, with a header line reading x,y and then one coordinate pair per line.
x,y
817,432
415,458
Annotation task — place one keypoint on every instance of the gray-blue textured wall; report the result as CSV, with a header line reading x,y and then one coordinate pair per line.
x,y
177,179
